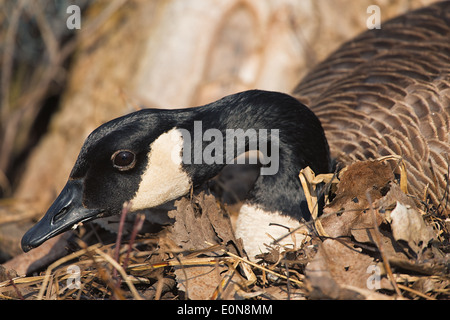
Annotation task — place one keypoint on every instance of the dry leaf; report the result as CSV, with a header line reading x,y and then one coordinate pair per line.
x,y
408,225
199,223
348,212
335,266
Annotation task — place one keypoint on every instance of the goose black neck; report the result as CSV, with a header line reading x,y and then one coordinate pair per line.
x,y
286,132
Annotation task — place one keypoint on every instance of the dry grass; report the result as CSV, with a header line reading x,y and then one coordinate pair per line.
x,y
144,267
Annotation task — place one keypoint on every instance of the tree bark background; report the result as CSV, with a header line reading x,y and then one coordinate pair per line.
x,y
183,53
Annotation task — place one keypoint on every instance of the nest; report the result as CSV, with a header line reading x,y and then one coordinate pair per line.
x,y
372,241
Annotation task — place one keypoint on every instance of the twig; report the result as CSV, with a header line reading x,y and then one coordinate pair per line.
x,y
377,238
138,223
226,280
177,263
125,209
122,272
244,260
288,284
11,281
21,280
420,294
104,276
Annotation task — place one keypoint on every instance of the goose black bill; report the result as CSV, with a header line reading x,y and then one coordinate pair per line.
x,y
65,212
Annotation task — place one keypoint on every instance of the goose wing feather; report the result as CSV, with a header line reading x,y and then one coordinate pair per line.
x,y
387,92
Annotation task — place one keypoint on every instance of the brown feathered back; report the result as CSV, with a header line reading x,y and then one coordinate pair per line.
x,y
387,92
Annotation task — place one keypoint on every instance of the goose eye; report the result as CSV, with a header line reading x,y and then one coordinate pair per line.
x,y
123,160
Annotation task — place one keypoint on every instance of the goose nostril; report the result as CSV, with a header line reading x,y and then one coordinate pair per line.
x,y
59,215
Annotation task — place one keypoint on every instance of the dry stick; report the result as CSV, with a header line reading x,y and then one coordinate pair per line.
x,y
137,226
225,281
122,272
377,238
125,209
20,280
178,263
420,294
138,223
288,284
244,260
19,294
181,264
159,287
116,292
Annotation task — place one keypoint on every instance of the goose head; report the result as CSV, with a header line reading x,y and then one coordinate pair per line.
x,y
152,156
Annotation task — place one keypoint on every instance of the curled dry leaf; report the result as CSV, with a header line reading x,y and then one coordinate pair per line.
x,y
408,225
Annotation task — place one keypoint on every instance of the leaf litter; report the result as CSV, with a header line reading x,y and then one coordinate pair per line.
x,y
372,241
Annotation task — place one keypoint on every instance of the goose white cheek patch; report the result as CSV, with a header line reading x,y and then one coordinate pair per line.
x,y
163,179
258,228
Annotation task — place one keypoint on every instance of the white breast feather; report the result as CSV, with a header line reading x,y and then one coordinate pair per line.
x,y
257,227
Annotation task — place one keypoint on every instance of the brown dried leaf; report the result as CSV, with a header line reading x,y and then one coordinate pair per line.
x,y
198,282
339,270
200,222
359,179
337,264
349,210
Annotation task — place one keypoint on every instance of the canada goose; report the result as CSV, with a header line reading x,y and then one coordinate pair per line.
x,y
141,157
386,92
